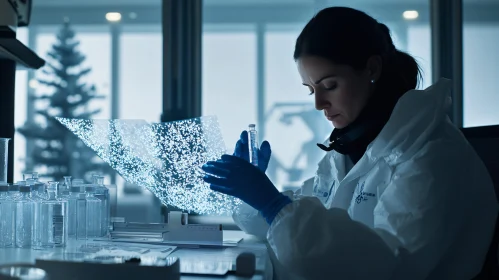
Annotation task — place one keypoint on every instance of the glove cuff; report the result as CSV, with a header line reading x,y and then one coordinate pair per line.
x,y
274,207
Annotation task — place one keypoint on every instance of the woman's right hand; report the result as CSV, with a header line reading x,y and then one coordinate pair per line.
x,y
242,151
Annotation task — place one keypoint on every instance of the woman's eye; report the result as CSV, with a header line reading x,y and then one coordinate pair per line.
x,y
330,87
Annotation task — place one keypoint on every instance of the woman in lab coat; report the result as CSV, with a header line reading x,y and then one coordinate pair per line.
x,y
400,194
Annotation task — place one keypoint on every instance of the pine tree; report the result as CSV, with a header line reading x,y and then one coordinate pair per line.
x,y
57,152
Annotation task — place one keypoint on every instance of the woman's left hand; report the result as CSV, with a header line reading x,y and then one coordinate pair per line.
x,y
237,177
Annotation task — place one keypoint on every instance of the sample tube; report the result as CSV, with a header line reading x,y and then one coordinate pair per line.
x,y
253,144
4,157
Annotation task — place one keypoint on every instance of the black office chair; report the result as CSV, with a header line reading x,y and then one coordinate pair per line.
x,y
485,141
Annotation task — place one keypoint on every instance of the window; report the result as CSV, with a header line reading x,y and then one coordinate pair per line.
x,y
481,68
140,73
229,78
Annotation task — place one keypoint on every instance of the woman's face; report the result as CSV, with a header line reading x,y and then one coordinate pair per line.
x,y
339,90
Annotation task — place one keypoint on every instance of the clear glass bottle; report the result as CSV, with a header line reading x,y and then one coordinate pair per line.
x,y
81,215
7,217
72,198
53,217
38,195
93,213
102,193
25,211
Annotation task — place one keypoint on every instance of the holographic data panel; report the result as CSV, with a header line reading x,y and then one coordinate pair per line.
x,y
166,158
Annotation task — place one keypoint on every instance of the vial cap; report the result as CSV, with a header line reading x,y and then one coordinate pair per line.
x,y
89,188
75,189
4,187
13,188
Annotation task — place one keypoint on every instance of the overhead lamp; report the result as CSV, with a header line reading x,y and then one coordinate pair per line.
x,y
113,16
410,15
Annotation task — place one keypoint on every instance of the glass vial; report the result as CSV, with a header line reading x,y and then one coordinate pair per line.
x,y
25,210
53,219
7,217
102,193
80,213
93,213
253,144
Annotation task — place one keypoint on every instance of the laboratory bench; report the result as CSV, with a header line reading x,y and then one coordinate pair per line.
x,y
189,255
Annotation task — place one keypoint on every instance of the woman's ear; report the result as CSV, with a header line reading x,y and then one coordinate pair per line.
x,y
374,67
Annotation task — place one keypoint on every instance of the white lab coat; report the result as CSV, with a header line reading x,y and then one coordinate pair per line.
x,y
418,205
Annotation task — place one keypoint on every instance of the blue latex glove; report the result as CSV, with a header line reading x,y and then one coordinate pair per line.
x,y
237,177
242,151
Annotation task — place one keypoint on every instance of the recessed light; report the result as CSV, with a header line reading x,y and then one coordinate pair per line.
x,y
113,17
410,15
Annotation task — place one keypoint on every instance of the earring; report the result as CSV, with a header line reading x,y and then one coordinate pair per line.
x,y
373,81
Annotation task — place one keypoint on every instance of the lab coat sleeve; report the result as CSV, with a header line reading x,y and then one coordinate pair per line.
x,y
414,223
249,220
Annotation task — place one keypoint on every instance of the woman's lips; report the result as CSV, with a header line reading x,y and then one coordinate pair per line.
x,y
332,117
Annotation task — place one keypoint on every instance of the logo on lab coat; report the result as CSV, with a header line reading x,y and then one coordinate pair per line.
x,y
323,192
361,194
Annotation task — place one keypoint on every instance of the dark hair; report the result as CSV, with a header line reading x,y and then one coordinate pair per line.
x,y
349,37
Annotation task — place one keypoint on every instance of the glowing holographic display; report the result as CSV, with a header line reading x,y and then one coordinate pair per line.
x,y
166,158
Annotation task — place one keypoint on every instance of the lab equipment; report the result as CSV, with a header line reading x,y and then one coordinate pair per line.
x,y
80,214
93,213
4,159
165,158
7,217
72,198
25,212
237,177
253,144
52,219
102,193
175,231
37,195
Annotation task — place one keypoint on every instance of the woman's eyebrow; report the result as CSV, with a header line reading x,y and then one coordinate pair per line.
x,y
320,80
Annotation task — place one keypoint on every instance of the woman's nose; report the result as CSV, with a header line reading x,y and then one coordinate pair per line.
x,y
320,102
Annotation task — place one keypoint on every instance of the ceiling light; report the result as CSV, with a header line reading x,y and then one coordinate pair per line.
x,y
113,17
410,15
